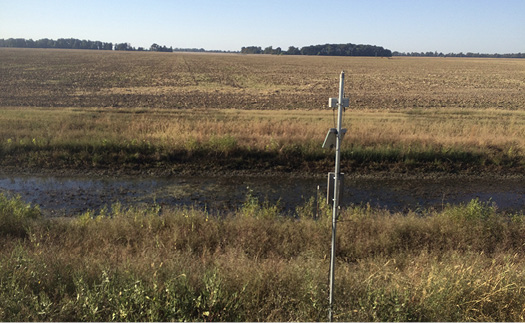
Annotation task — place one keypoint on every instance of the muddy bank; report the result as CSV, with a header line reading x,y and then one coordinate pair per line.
x,y
71,195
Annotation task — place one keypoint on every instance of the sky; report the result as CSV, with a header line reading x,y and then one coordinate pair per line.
x,y
448,26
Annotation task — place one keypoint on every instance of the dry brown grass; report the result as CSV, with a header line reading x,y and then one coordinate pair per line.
x,y
461,263
265,129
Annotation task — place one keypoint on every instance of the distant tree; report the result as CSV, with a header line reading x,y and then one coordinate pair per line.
x,y
18,42
293,51
326,49
157,48
124,46
44,43
310,50
268,50
251,50
198,50
66,43
344,50
76,44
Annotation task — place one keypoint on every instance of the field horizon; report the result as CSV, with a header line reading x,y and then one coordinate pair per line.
x,y
159,114
145,112
84,78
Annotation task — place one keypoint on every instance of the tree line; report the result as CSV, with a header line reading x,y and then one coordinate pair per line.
x,y
323,50
461,54
70,43
73,43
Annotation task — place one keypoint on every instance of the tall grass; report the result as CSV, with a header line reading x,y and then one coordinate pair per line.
x,y
461,263
441,139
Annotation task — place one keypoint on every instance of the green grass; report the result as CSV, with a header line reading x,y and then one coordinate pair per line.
x,y
459,263
16,216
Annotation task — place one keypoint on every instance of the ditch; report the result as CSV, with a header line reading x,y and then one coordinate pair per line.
x,y
74,195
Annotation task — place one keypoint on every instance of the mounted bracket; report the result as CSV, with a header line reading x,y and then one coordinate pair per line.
x,y
331,137
333,102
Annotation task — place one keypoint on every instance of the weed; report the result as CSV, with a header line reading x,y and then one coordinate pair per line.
x,y
16,216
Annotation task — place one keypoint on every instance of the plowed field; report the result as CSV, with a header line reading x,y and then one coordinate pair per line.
x,y
70,78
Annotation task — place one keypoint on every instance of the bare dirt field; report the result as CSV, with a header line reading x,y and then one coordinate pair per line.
x,y
70,78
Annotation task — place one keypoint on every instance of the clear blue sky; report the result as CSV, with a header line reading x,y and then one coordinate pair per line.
x,y
486,26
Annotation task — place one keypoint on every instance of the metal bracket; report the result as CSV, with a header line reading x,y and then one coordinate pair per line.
x,y
333,102
331,137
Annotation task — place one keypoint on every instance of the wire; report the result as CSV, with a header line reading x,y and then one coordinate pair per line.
x,y
344,114
335,123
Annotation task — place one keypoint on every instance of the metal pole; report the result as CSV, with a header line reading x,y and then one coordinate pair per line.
x,y
336,192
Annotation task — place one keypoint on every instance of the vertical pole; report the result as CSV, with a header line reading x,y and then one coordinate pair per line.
x,y
336,192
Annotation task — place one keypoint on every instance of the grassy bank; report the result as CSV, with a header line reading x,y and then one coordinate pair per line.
x,y
176,141
459,263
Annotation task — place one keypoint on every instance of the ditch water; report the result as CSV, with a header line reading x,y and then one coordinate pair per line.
x,y
71,196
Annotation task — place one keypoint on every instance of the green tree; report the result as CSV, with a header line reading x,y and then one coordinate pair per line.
x,y
292,50
268,50
251,50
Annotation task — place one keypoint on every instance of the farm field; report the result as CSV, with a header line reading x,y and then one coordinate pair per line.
x,y
183,112
69,78
136,114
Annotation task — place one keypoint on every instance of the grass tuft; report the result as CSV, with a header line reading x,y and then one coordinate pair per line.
x,y
16,216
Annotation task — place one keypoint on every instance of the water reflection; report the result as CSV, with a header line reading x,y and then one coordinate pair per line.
x,y
58,196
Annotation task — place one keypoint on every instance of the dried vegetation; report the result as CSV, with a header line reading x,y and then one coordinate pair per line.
x,y
68,78
127,111
172,111
461,263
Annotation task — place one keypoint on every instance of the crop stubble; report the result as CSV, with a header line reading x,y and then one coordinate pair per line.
x,y
70,78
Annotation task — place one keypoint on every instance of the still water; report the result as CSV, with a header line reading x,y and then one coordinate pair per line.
x,y
70,196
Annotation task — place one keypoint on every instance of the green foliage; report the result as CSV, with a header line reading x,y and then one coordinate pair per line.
x,y
16,216
253,208
316,208
324,50
473,211
70,43
222,145
345,50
